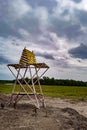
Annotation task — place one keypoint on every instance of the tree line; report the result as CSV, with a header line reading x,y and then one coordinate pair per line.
x,y
62,82
51,81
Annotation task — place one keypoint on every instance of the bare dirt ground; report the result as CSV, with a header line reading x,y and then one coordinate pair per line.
x,y
60,114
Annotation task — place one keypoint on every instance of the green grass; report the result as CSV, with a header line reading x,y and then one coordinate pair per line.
x,y
65,91
53,91
6,88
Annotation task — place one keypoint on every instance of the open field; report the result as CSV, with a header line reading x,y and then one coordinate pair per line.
x,y
53,91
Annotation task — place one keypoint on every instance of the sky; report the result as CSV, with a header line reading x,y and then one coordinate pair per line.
x,y
56,30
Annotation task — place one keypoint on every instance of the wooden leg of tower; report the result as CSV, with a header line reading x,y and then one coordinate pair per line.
x,y
35,95
33,75
41,92
41,75
38,80
16,98
12,94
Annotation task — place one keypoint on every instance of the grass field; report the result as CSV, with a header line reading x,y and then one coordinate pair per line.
x,y
53,91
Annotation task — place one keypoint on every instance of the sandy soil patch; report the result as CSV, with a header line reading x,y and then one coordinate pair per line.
x,y
60,114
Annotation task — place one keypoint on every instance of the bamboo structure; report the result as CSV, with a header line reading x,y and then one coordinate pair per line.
x,y
28,65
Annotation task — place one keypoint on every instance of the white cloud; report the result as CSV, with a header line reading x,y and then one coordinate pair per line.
x,y
82,5
70,4
25,34
17,9
61,43
11,49
42,14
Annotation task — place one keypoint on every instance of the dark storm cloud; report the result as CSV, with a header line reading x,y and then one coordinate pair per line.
x,y
62,64
65,28
77,1
49,4
7,24
8,19
47,42
82,16
14,43
10,27
65,12
79,52
6,30
4,60
45,55
3,8
29,22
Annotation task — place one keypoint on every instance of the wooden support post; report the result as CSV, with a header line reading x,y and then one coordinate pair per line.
x,y
43,100
38,106
11,99
21,83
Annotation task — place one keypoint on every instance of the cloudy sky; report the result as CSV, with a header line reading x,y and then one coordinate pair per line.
x,y
56,30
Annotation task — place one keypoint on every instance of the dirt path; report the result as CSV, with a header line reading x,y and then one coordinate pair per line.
x,y
60,114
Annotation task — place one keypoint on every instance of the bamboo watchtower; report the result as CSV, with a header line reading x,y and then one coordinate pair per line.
x,y
28,65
